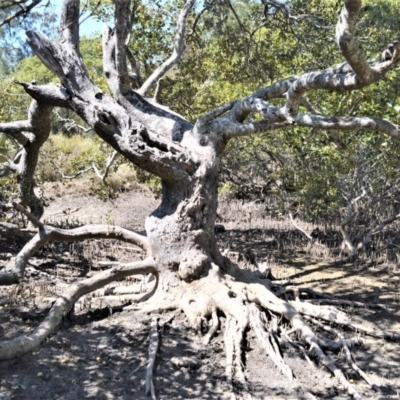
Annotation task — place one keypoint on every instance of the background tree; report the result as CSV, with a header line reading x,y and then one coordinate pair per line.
x,y
181,248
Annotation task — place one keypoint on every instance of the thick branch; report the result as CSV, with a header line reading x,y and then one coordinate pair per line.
x,y
12,274
23,344
69,23
121,30
16,129
349,124
111,121
345,38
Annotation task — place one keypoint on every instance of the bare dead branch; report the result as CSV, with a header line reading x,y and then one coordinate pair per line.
x,y
23,11
35,221
307,235
82,171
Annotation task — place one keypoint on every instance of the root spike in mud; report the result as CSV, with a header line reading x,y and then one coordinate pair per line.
x,y
153,347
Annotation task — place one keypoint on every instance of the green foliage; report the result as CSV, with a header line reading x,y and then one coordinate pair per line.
x,y
230,55
13,46
69,155
298,168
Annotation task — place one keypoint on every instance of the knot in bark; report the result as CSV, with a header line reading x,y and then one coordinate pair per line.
x,y
193,265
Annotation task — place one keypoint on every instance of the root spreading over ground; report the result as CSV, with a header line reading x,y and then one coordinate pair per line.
x,y
278,314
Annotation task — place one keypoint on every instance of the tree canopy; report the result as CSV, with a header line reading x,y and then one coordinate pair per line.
x,y
301,98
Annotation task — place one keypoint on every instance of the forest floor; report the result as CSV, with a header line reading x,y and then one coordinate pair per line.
x,y
101,353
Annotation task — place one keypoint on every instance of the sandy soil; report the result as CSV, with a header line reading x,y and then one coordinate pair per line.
x,y
101,352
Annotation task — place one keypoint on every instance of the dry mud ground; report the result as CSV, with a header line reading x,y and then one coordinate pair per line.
x,y
101,352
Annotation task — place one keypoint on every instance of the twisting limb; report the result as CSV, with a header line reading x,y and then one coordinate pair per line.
x,y
179,48
23,344
14,271
361,74
349,123
129,126
24,164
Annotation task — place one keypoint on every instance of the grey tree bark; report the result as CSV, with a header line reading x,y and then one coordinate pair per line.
x,y
182,251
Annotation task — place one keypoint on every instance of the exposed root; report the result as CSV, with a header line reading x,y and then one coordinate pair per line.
x,y
325,299
334,316
297,346
346,349
153,348
21,345
136,288
243,304
268,341
213,328
234,368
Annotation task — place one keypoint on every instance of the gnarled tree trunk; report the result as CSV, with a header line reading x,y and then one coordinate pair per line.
x,y
180,243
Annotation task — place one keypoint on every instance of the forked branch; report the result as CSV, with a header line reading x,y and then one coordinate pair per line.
x,y
179,48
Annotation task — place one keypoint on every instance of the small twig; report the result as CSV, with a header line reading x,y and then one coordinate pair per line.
x,y
83,171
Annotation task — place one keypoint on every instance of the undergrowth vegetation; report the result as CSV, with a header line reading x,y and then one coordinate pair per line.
x,y
67,158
